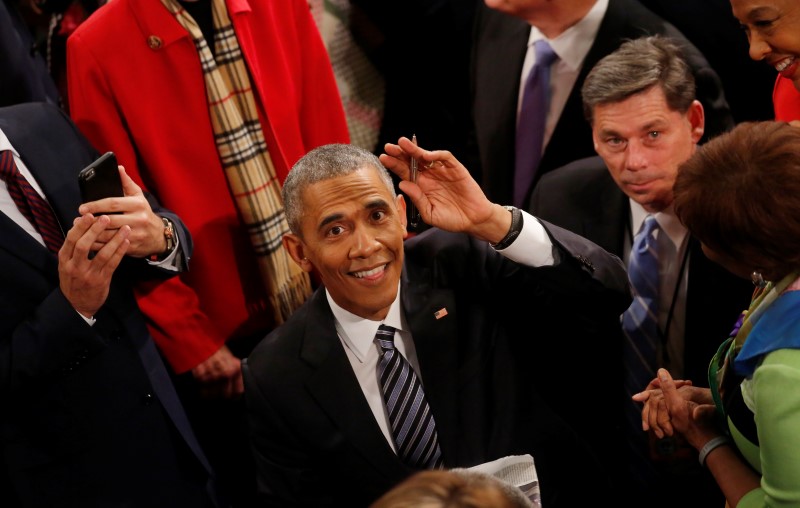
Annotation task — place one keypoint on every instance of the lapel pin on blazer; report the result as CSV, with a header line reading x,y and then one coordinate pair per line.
x,y
439,314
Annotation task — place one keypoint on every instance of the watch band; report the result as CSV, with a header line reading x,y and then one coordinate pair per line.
x,y
513,231
169,236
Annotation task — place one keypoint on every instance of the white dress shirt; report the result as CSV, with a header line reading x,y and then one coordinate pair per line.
x,y
571,47
532,248
672,245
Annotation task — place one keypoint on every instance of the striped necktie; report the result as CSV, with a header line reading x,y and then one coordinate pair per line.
x,y
413,426
30,203
642,335
531,122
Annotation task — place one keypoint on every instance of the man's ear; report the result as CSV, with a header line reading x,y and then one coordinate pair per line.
x,y
296,248
400,203
697,119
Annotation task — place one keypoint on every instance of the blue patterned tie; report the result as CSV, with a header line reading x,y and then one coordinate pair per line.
x,y
30,203
413,426
531,122
642,334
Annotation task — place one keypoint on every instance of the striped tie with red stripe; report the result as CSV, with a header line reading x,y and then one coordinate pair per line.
x,y
30,203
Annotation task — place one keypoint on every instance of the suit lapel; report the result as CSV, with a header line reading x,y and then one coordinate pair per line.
x,y
496,86
59,188
59,184
436,342
23,246
335,388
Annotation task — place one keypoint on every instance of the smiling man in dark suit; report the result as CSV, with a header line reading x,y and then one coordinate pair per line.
x,y
580,32
460,297
90,417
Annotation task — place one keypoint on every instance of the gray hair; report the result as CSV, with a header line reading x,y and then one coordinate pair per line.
x,y
323,163
636,66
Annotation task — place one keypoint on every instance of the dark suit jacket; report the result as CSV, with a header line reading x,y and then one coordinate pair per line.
x,y
583,198
498,53
316,441
90,417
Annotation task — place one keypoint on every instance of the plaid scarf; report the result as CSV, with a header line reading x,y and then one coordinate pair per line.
x,y
245,159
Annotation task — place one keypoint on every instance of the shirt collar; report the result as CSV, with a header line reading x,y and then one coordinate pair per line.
x,y
574,43
667,222
357,333
5,144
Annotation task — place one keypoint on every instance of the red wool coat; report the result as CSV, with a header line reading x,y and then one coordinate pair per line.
x,y
136,87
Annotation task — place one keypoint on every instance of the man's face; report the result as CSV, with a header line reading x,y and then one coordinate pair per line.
x,y
352,233
520,8
515,6
773,29
643,141
552,17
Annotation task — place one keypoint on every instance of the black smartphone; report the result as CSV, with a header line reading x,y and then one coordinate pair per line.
x,y
100,179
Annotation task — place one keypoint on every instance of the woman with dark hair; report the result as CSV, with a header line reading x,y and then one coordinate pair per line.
x,y
740,195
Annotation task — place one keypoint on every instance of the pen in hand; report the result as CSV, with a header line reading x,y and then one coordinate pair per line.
x,y
414,213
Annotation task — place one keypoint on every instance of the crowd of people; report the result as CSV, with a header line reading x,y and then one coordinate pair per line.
x,y
603,279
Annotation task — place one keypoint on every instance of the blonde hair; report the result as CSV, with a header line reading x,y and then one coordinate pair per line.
x,y
458,488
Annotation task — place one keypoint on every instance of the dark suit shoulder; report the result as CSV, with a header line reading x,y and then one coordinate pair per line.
x,y
441,258
25,123
583,198
629,19
32,114
578,189
437,242
284,341
575,177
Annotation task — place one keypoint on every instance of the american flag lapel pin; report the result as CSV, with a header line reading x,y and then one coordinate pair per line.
x,y
439,314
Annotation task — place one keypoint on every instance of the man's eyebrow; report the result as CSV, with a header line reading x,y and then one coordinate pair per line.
x,y
371,205
609,132
377,203
328,219
655,124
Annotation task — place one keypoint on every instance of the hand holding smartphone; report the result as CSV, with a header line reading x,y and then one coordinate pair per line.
x,y
100,179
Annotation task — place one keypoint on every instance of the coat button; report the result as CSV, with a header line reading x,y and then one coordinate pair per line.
x,y
154,42
148,399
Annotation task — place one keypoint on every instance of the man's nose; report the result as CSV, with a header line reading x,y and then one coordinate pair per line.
x,y
364,243
636,156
